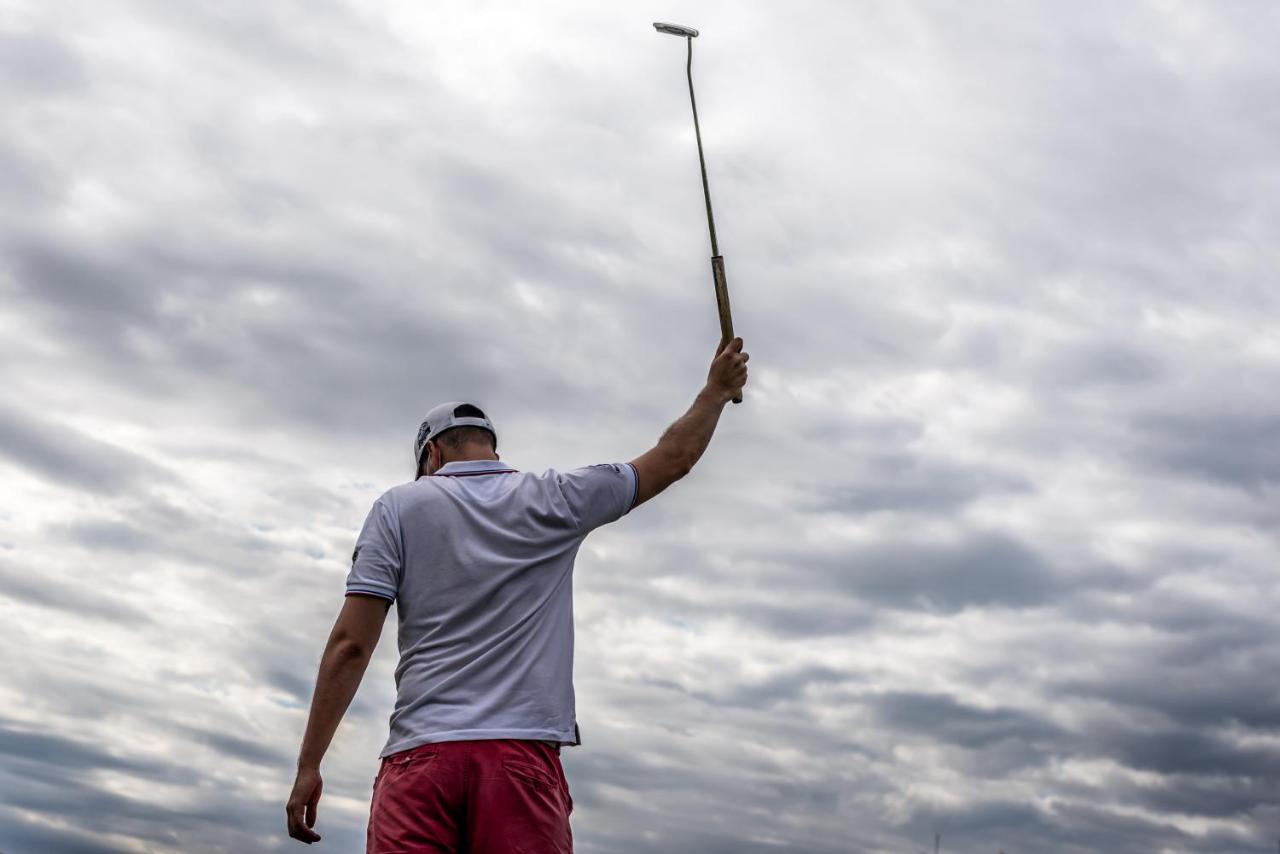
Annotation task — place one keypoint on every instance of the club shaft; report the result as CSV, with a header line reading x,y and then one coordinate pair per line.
x,y
706,190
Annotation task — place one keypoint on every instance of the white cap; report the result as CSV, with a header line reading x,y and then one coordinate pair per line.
x,y
455,413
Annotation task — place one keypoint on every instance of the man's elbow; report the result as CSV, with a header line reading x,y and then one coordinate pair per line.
x,y
346,648
356,631
680,469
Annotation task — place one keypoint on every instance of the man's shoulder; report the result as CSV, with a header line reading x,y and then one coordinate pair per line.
x,y
402,494
616,468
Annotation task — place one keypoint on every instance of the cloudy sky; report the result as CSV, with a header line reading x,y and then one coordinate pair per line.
x,y
989,551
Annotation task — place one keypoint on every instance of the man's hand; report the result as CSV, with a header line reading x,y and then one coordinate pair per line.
x,y
728,372
301,809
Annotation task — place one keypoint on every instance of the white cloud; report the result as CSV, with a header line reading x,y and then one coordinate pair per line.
x,y
986,551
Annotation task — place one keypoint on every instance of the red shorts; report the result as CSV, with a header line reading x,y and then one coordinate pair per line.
x,y
498,796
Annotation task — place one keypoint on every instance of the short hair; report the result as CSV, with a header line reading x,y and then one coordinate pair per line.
x,y
458,437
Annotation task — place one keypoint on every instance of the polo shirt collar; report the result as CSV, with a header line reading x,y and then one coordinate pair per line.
x,y
471,466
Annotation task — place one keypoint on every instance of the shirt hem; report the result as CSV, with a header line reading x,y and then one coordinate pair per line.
x,y
562,737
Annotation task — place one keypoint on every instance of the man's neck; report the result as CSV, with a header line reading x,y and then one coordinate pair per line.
x,y
470,456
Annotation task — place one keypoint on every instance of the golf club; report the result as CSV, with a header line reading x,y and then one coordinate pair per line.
x,y
717,261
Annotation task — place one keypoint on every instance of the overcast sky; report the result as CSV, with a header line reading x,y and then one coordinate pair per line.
x,y
989,550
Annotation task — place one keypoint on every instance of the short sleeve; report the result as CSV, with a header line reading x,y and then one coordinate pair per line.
x,y
377,564
599,494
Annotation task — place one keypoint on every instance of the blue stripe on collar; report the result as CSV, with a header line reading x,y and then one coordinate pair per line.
x,y
462,468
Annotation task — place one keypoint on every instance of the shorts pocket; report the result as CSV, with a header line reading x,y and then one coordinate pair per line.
x,y
540,780
409,758
531,774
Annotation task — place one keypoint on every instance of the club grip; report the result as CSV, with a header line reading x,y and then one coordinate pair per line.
x,y
722,303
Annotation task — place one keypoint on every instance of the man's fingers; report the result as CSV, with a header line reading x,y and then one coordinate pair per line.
x,y
300,824
301,809
313,802
734,345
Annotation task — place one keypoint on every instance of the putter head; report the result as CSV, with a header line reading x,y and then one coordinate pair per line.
x,y
676,30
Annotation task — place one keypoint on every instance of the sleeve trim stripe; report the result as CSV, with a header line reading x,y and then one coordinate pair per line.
x,y
635,487
371,592
370,584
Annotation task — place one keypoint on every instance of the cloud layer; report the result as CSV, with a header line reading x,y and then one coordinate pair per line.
x,y
988,552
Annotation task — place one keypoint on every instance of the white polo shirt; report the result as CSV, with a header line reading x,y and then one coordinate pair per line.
x,y
479,558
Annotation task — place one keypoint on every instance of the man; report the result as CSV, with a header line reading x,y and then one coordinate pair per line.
x,y
479,557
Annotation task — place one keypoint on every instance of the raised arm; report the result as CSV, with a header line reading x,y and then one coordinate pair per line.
x,y
682,444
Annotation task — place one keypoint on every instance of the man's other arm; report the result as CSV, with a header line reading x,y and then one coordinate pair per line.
x,y
346,657
342,666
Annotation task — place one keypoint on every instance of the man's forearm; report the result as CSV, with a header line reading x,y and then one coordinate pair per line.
x,y
689,436
341,669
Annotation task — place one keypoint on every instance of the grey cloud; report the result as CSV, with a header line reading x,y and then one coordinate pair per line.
x,y
1232,448
22,581
155,532
1202,674
246,750
297,687
1214,797
35,62
947,719
18,834
322,378
55,751
202,829
95,292
27,177
905,483
263,238
704,807
1084,827
1191,752
788,687
1064,827
820,617
77,694
1100,361
727,842
1213,692
742,593
985,823
43,773
984,569
107,536
69,456
272,40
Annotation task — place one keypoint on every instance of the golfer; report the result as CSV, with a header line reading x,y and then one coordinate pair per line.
x,y
479,557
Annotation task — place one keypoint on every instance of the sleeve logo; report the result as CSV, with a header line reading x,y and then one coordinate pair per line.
x,y
617,469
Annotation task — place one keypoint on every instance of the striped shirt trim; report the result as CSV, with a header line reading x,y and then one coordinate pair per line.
x,y
366,592
635,487
474,473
